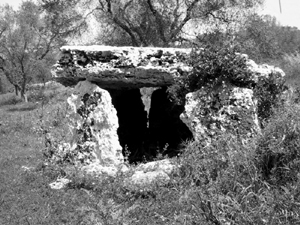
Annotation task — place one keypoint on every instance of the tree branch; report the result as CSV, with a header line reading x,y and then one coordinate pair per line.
x,y
176,16
118,22
185,20
159,22
219,18
2,31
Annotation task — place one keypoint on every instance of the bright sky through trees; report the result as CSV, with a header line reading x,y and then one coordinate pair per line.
x,y
290,10
290,14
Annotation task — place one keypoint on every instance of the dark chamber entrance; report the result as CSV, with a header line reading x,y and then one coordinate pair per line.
x,y
165,132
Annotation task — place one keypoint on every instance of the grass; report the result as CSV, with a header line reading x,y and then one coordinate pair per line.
x,y
25,196
290,63
222,184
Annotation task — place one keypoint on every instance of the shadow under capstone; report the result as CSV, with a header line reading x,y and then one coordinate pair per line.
x,y
165,131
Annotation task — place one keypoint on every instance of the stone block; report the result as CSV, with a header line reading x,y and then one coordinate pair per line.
x,y
93,122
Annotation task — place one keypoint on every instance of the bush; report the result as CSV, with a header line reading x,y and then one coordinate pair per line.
x,y
52,125
291,66
212,67
225,185
268,92
9,99
278,151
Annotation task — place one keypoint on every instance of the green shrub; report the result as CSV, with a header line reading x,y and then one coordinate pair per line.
x,y
9,99
52,125
290,63
268,92
225,185
212,67
278,150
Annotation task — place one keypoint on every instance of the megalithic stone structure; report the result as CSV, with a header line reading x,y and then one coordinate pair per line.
x,y
104,122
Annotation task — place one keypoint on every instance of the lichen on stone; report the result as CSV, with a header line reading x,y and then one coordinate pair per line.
x,y
93,124
120,66
229,109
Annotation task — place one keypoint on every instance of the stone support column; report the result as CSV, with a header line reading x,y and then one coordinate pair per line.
x,y
228,109
93,122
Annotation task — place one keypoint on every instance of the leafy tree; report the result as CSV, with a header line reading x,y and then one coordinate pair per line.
x,y
29,38
264,39
156,22
15,45
162,23
260,38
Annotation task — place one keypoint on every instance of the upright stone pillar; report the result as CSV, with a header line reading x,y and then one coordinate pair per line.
x,y
93,122
228,109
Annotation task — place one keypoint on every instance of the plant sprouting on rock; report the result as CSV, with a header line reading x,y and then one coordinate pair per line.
x,y
215,67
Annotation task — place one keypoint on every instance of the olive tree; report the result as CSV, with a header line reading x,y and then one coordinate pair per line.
x,y
164,22
29,38
155,22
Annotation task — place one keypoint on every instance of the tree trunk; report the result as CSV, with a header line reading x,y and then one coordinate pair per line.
x,y
23,89
20,93
17,91
23,94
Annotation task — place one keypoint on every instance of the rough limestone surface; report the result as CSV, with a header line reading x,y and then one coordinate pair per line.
x,y
227,109
60,183
93,119
120,67
144,177
133,67
264,70
150,173
93,122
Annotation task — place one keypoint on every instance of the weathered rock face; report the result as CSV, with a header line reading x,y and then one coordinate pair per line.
x,y
151,173
263,71
228,109
93,122
144,177
120,67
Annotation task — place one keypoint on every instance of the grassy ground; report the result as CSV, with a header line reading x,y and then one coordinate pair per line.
x,y
222,184
25,196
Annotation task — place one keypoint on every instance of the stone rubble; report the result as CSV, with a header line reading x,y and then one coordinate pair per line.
x,y
148,173
60,183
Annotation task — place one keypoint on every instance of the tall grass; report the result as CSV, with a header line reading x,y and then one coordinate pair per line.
x,y
291,66
228,182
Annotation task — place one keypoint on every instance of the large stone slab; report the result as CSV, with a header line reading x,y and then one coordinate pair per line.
x,y
228,109
93,123
120,67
